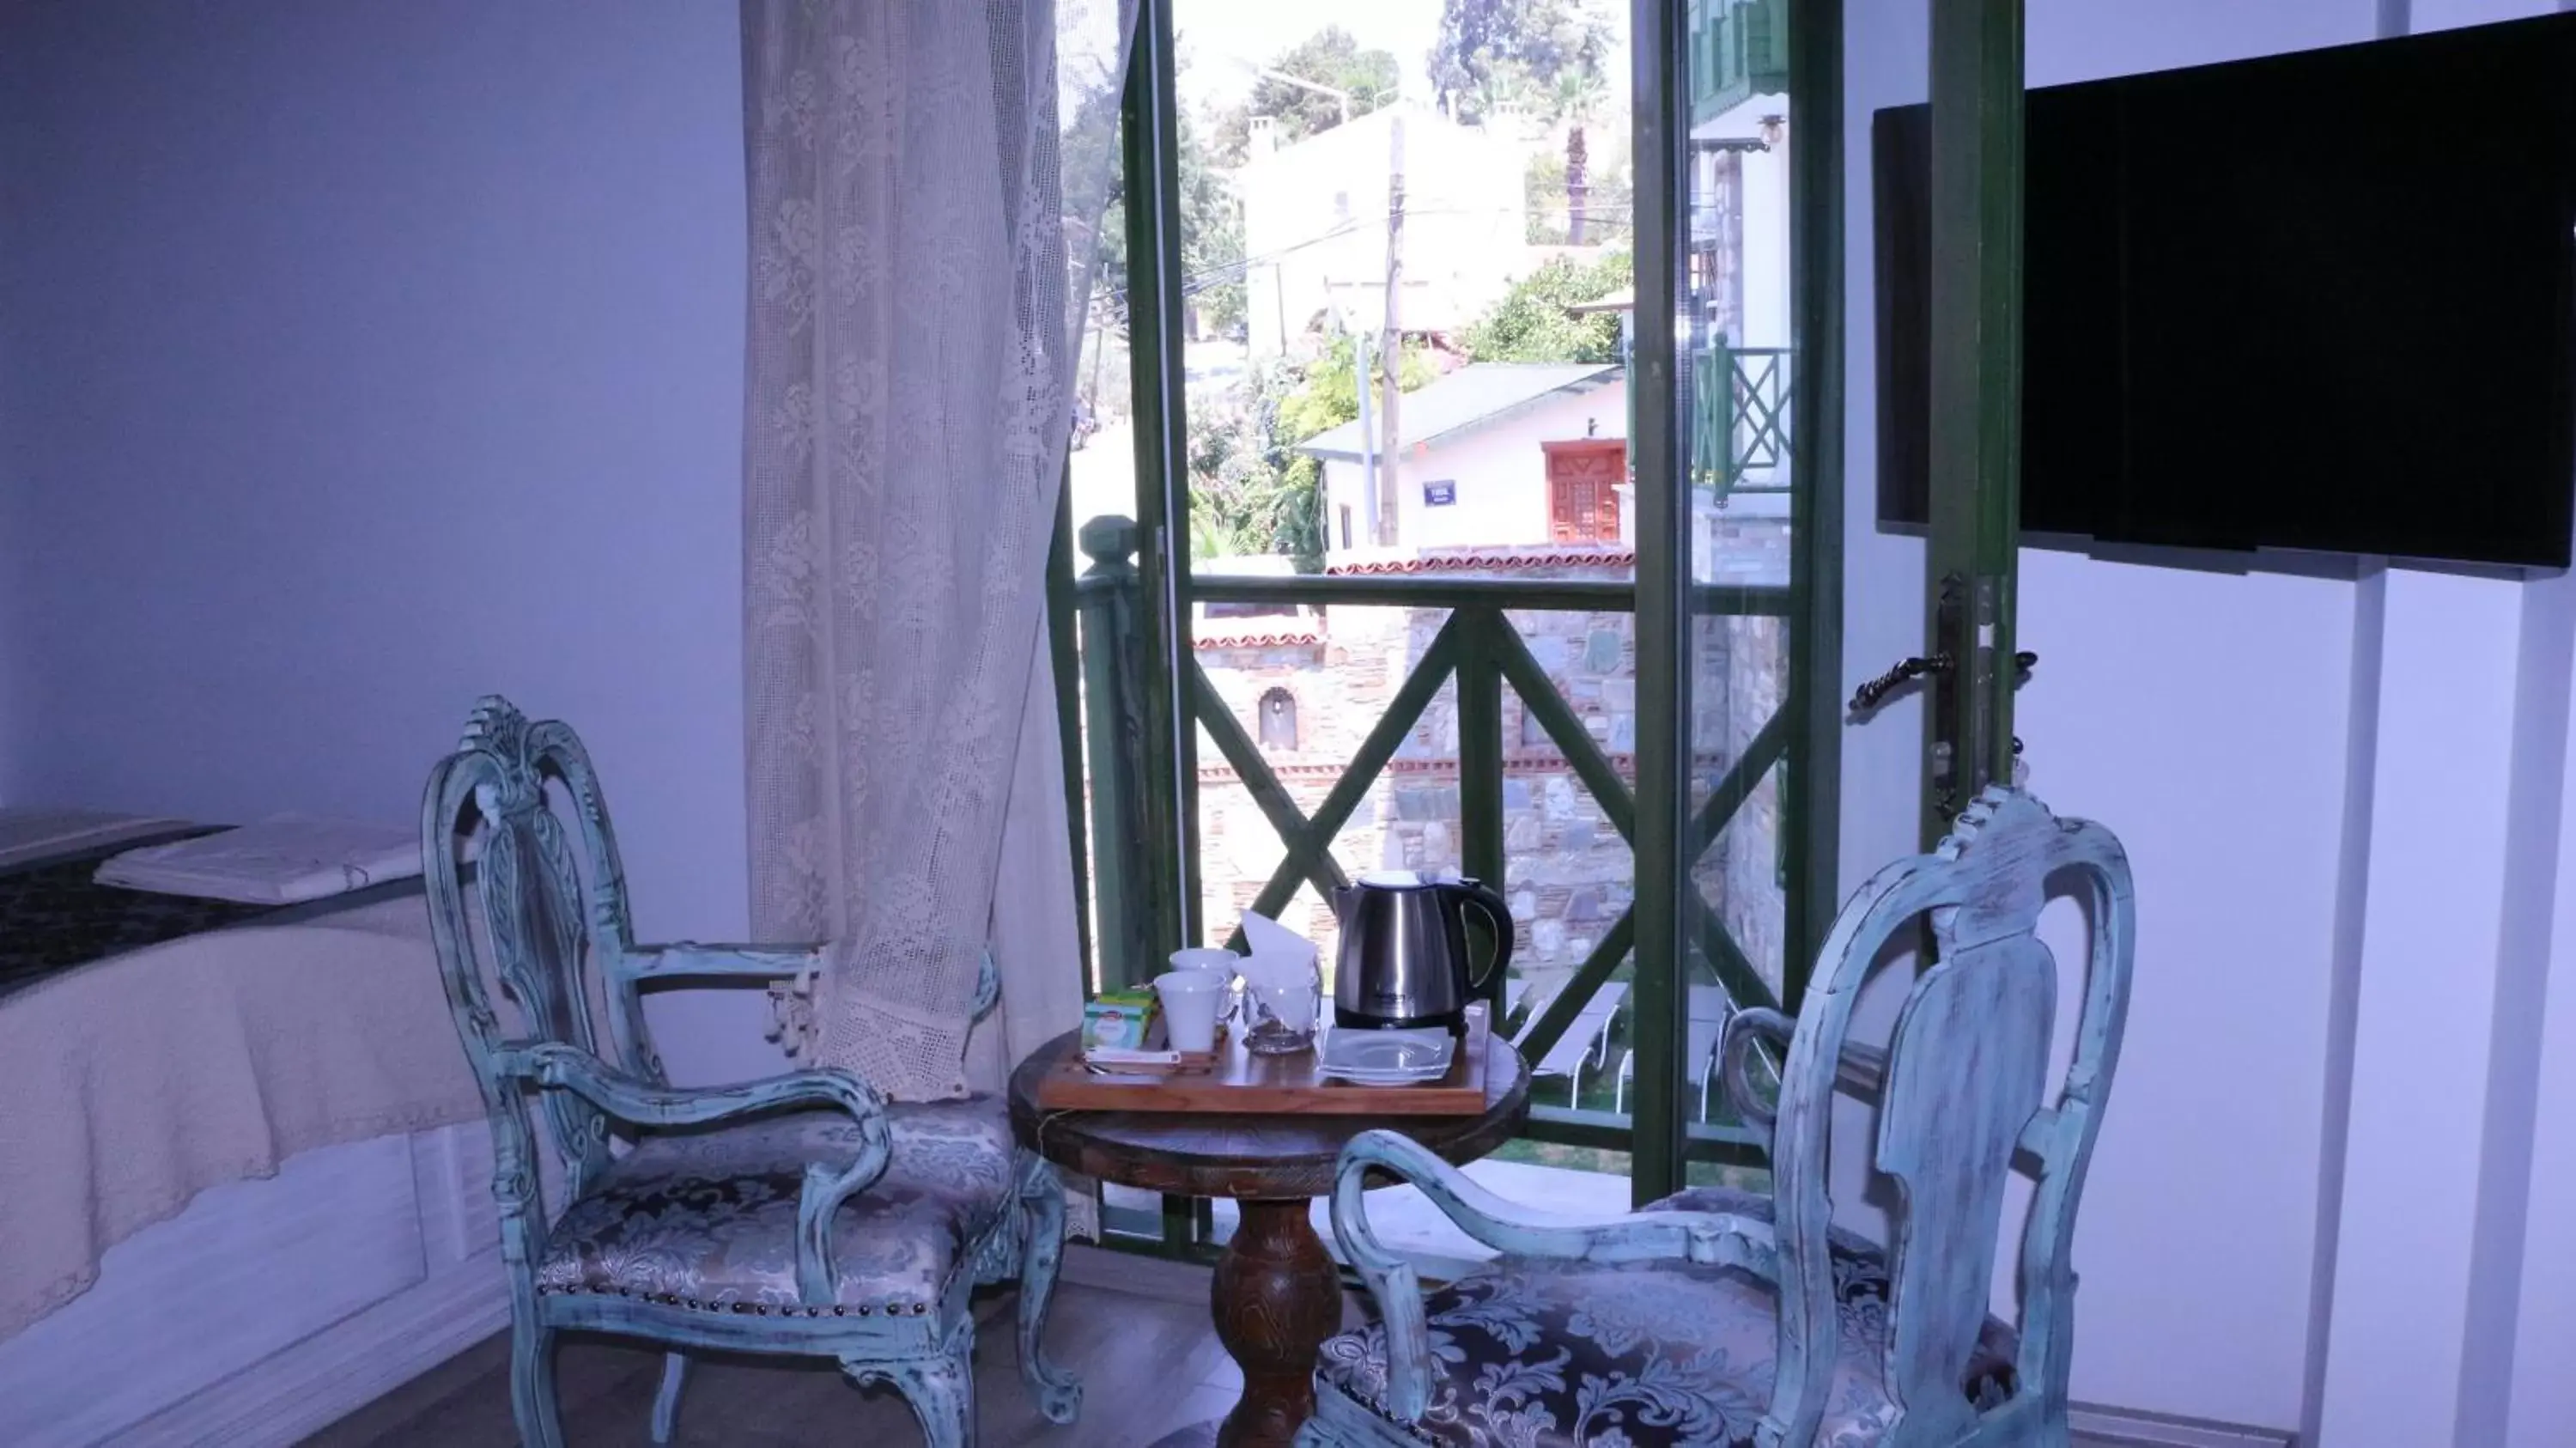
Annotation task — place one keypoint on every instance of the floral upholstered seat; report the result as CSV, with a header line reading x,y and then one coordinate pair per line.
x,y
797,1215
1540,1353
708,1218
1720,1319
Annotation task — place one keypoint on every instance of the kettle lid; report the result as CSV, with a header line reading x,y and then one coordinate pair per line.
x,y
1398,880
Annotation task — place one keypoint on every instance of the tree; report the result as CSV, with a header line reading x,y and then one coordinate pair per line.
x,y
1579,95
1609,195
1547,57
1251,491
1490,51
1211,230
1533,321
1241,501
1329,57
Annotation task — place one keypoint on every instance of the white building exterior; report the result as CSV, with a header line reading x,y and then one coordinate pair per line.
x,y
1315,224
1476,438
1763,206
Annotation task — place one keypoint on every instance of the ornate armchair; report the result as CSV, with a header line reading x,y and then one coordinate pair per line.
x,y
801,1214
1718,1318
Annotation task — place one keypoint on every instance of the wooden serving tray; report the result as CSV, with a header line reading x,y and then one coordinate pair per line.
x,y
1236,1081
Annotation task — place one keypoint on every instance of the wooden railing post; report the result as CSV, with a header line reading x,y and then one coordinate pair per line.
x,y
1125,885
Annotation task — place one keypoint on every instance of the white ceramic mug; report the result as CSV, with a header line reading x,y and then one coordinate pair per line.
x,y
1191,1001
1221,963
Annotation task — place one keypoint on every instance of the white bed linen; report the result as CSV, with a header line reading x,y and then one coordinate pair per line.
x,y
271,1308
139,1081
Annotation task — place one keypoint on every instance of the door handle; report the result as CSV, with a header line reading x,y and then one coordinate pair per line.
x,y
1869,696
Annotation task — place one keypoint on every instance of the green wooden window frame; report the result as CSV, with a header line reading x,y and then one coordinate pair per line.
x,y
1119,620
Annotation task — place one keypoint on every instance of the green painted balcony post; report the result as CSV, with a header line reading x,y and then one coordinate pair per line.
x,y
1123,882
1713,452
1480,761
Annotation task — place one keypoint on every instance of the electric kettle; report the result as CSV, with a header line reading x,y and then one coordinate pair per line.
x,y
1403,956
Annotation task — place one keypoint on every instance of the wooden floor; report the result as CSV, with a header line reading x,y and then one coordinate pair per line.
x,y
1149,1366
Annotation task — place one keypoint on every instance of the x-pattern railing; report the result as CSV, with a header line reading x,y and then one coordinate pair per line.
x,y
1480,647
1740,416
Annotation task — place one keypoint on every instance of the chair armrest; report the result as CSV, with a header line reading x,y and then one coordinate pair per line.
x,y
1861,1070
641,1103
687,958
1707,1237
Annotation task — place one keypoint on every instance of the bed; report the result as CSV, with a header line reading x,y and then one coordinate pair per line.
x,y
244,1172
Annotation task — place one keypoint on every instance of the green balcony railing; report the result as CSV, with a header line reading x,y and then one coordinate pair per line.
x,y
1478,646
1740,419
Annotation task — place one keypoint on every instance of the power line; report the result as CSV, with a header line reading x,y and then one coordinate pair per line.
x,y
1216,274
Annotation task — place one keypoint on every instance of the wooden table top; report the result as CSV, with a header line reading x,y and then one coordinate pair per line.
x,y
1263,1157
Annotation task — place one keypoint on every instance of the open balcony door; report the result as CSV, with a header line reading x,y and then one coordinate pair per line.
x,y
1516,703
1817,696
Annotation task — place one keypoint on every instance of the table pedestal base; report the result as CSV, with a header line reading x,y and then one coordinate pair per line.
x,y
1277,1297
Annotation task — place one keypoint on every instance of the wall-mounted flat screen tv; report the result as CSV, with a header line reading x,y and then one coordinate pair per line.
x,y
2323,302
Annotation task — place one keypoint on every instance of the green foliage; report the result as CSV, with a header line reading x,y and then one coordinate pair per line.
x,y
1609,202
1328,394
1211,234
1495,52
1211,222
1251,491
1531,323
1329,57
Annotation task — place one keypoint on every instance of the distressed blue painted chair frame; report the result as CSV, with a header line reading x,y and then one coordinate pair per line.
x,y
532,897
1961,1106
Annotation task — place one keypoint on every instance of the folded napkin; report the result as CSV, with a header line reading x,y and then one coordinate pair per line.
x,y
279,861
1281,971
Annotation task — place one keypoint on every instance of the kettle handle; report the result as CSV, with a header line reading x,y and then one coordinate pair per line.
x,y
1498,916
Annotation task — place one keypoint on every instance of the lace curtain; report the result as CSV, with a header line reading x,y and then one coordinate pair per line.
x,y
916,168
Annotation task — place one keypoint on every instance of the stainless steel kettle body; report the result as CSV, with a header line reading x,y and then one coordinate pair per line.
x,y
1403,956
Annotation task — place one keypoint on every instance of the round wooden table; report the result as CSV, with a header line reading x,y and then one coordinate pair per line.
x,y
1277,1295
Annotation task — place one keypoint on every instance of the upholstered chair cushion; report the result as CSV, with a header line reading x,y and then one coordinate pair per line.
x,y
1534,1353
708,1218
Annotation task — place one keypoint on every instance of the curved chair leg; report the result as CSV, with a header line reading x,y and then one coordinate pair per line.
x,y
532,1385
666,1403
940,1389
1058,1393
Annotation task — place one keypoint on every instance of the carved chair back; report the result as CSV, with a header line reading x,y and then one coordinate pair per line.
x,y
1963,1098
546,932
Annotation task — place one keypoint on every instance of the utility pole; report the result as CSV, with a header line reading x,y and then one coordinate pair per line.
x,y
1368,430
1391,342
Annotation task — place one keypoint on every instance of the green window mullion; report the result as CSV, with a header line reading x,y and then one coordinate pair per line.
x,y
1150,118
1659,452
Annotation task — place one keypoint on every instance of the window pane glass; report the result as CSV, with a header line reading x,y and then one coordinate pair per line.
x,y
1736,400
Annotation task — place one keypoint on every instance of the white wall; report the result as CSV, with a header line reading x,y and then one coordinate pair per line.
x,y
2284,756
1500,472
391,354
1464,230
13,470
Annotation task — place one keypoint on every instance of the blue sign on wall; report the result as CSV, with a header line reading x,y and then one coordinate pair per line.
x,y
1440,494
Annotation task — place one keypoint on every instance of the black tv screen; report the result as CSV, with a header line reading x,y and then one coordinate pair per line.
x,y
2322,301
